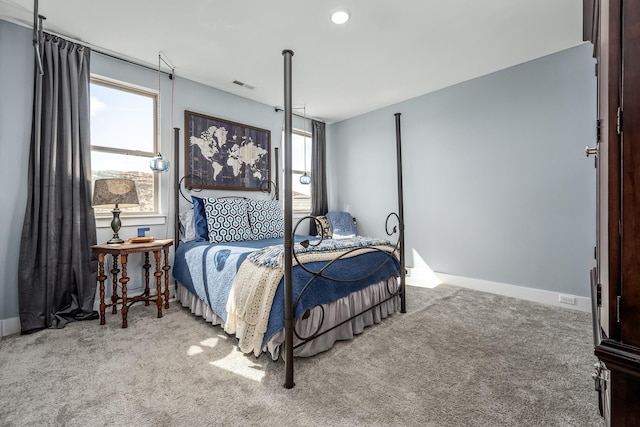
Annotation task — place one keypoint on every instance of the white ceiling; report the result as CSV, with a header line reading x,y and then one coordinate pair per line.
x,y
388,52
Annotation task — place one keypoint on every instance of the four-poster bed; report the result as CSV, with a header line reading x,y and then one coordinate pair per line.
x,y
284,293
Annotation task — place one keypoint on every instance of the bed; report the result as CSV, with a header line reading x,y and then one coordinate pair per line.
x,y
229,269
240,286
242,266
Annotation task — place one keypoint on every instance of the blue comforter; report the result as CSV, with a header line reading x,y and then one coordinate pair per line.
x,y
208,271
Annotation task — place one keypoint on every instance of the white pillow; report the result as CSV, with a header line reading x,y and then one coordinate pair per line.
x,y
187,225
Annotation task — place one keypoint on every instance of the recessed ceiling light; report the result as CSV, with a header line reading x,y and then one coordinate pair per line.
x,y
340,16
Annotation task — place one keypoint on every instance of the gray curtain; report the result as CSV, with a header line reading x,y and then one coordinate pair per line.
x,y
57,273
319,203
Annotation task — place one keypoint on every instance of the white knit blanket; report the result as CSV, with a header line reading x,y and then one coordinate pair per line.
x,y
252,293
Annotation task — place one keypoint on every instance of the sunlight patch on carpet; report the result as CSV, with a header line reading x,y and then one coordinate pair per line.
x,y
209,342
238,364
193,350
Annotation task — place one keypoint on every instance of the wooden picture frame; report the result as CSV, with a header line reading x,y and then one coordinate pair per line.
x,y
225,155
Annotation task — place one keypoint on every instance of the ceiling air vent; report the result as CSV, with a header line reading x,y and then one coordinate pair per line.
x,y
243,84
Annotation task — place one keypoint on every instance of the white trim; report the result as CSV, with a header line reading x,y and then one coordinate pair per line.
x,y
9,326
420,277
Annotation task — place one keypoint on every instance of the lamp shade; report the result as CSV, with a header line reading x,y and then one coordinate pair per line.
x,y
115,191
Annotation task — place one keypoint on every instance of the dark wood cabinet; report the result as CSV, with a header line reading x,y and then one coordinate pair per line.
x,y
613,26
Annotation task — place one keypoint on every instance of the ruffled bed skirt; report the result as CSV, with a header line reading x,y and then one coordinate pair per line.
x,y
334,313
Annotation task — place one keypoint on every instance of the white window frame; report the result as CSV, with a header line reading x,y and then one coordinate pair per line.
x,y
305,134
137,90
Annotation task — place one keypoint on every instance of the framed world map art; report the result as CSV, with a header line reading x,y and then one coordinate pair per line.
x,y
225,155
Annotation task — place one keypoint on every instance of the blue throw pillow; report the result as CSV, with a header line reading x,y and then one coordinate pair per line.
x,y
200,219
342,225
266,219
227,220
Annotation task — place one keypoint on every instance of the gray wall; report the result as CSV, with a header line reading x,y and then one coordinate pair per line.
x,y
496,183
191,96
16,101
16,81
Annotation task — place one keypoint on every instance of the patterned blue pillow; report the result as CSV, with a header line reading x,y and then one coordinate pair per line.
x,y
265,217
227,220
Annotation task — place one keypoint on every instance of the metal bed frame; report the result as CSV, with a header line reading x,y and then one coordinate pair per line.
x,y
289,231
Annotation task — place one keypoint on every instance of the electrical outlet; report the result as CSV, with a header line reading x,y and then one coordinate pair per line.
x,y
566,299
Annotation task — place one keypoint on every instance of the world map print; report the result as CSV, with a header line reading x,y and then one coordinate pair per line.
x,y
226,155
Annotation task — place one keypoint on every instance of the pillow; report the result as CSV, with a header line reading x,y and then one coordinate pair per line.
x,y
342,225
200,219
227,220
266,219
326,228
187,225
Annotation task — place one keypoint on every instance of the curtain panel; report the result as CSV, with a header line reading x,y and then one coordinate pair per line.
x,y
319,202
57,272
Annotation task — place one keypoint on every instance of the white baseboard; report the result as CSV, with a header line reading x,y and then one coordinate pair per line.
x,y
422,277
9,326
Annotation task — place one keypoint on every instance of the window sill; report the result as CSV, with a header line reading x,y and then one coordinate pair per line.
x,y
104,221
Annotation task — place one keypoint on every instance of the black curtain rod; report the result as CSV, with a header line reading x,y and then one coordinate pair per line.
x,y
99,50
128,61
278,109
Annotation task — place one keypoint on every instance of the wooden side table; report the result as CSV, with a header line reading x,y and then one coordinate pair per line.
x,y
122,252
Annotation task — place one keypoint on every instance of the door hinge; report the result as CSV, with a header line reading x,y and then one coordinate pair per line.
x,y
619,120
598,130
596,69
595,252
599,295
618,308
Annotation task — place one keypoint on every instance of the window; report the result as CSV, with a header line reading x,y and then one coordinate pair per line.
x,y
123,138
300,164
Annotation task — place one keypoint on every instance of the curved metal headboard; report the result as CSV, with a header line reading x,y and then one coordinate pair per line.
x,y
190,188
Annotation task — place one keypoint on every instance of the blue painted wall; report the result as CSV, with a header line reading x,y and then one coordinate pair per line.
x,y
16,103
496,183
496,187
16,81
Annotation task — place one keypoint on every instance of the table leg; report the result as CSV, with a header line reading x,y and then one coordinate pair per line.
x,y
101,278
123,280
114,280
158,275
166,269
146,277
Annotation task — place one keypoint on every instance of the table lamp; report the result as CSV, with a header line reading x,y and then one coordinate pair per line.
x,y
115,191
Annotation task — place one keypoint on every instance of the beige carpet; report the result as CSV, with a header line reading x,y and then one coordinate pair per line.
x,y
458,358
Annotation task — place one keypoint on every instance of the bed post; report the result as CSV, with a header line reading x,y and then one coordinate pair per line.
x,y
403,297
277,167
176,201
176,186
288,210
